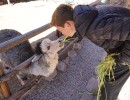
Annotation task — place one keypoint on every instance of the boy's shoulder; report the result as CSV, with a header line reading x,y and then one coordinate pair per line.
x,y
84,7
79,9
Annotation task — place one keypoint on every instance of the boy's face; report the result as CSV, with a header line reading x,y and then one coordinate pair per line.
x,y
68,29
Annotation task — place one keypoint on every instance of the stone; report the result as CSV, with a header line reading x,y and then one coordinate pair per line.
x,y
61,66
77,46
92,85
72,53
51,77
87,97
66,61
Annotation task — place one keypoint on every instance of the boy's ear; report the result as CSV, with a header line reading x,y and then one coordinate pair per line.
x,y
67,24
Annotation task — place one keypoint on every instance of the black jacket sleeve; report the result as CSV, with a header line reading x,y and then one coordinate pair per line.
x,y
113,27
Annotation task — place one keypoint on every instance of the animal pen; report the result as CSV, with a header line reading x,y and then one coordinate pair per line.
x,y
4,88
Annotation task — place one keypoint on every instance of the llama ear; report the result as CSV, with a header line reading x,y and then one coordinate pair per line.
x,y
45,42
44,45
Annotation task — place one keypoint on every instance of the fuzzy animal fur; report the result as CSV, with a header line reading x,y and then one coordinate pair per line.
x,y
46,63
16,55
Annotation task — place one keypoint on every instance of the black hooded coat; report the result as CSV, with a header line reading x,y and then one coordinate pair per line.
x,y
109,28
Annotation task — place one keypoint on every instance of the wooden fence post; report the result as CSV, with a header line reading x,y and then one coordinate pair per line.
x,y
4,88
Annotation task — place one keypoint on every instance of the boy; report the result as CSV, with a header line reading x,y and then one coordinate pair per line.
x,y
107,27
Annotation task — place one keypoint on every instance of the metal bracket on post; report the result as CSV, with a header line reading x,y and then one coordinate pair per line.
x,y
4,88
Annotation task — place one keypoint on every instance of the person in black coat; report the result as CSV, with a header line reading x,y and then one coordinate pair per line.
x,y
107,27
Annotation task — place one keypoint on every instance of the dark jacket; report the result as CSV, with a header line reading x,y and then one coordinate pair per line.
x,y
106,26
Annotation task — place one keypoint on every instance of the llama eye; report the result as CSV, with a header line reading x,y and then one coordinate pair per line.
x,y
48,47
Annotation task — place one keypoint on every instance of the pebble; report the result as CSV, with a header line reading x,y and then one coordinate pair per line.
x,y
61,66
72,53
66,61
77,46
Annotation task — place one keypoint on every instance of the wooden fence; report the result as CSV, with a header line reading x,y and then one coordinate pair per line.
x,y
4,88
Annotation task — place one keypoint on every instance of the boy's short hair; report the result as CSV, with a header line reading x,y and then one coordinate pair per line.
x,y
62,14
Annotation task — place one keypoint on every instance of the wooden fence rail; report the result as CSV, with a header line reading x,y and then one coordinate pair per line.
x,y
19,39
4,88
13,72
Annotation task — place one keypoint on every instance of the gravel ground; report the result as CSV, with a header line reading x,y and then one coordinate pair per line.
x,y
70,85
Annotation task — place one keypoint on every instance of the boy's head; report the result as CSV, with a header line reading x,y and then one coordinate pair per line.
x,y
62,19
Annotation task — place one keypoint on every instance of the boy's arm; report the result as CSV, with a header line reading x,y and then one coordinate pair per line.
x,y
110,27
118,30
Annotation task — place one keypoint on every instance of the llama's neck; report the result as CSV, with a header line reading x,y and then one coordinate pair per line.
x,y
52,61
52,55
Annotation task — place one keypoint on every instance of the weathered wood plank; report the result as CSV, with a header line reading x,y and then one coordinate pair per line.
x,y
26,88
15,70
4,88
15,41
63,53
